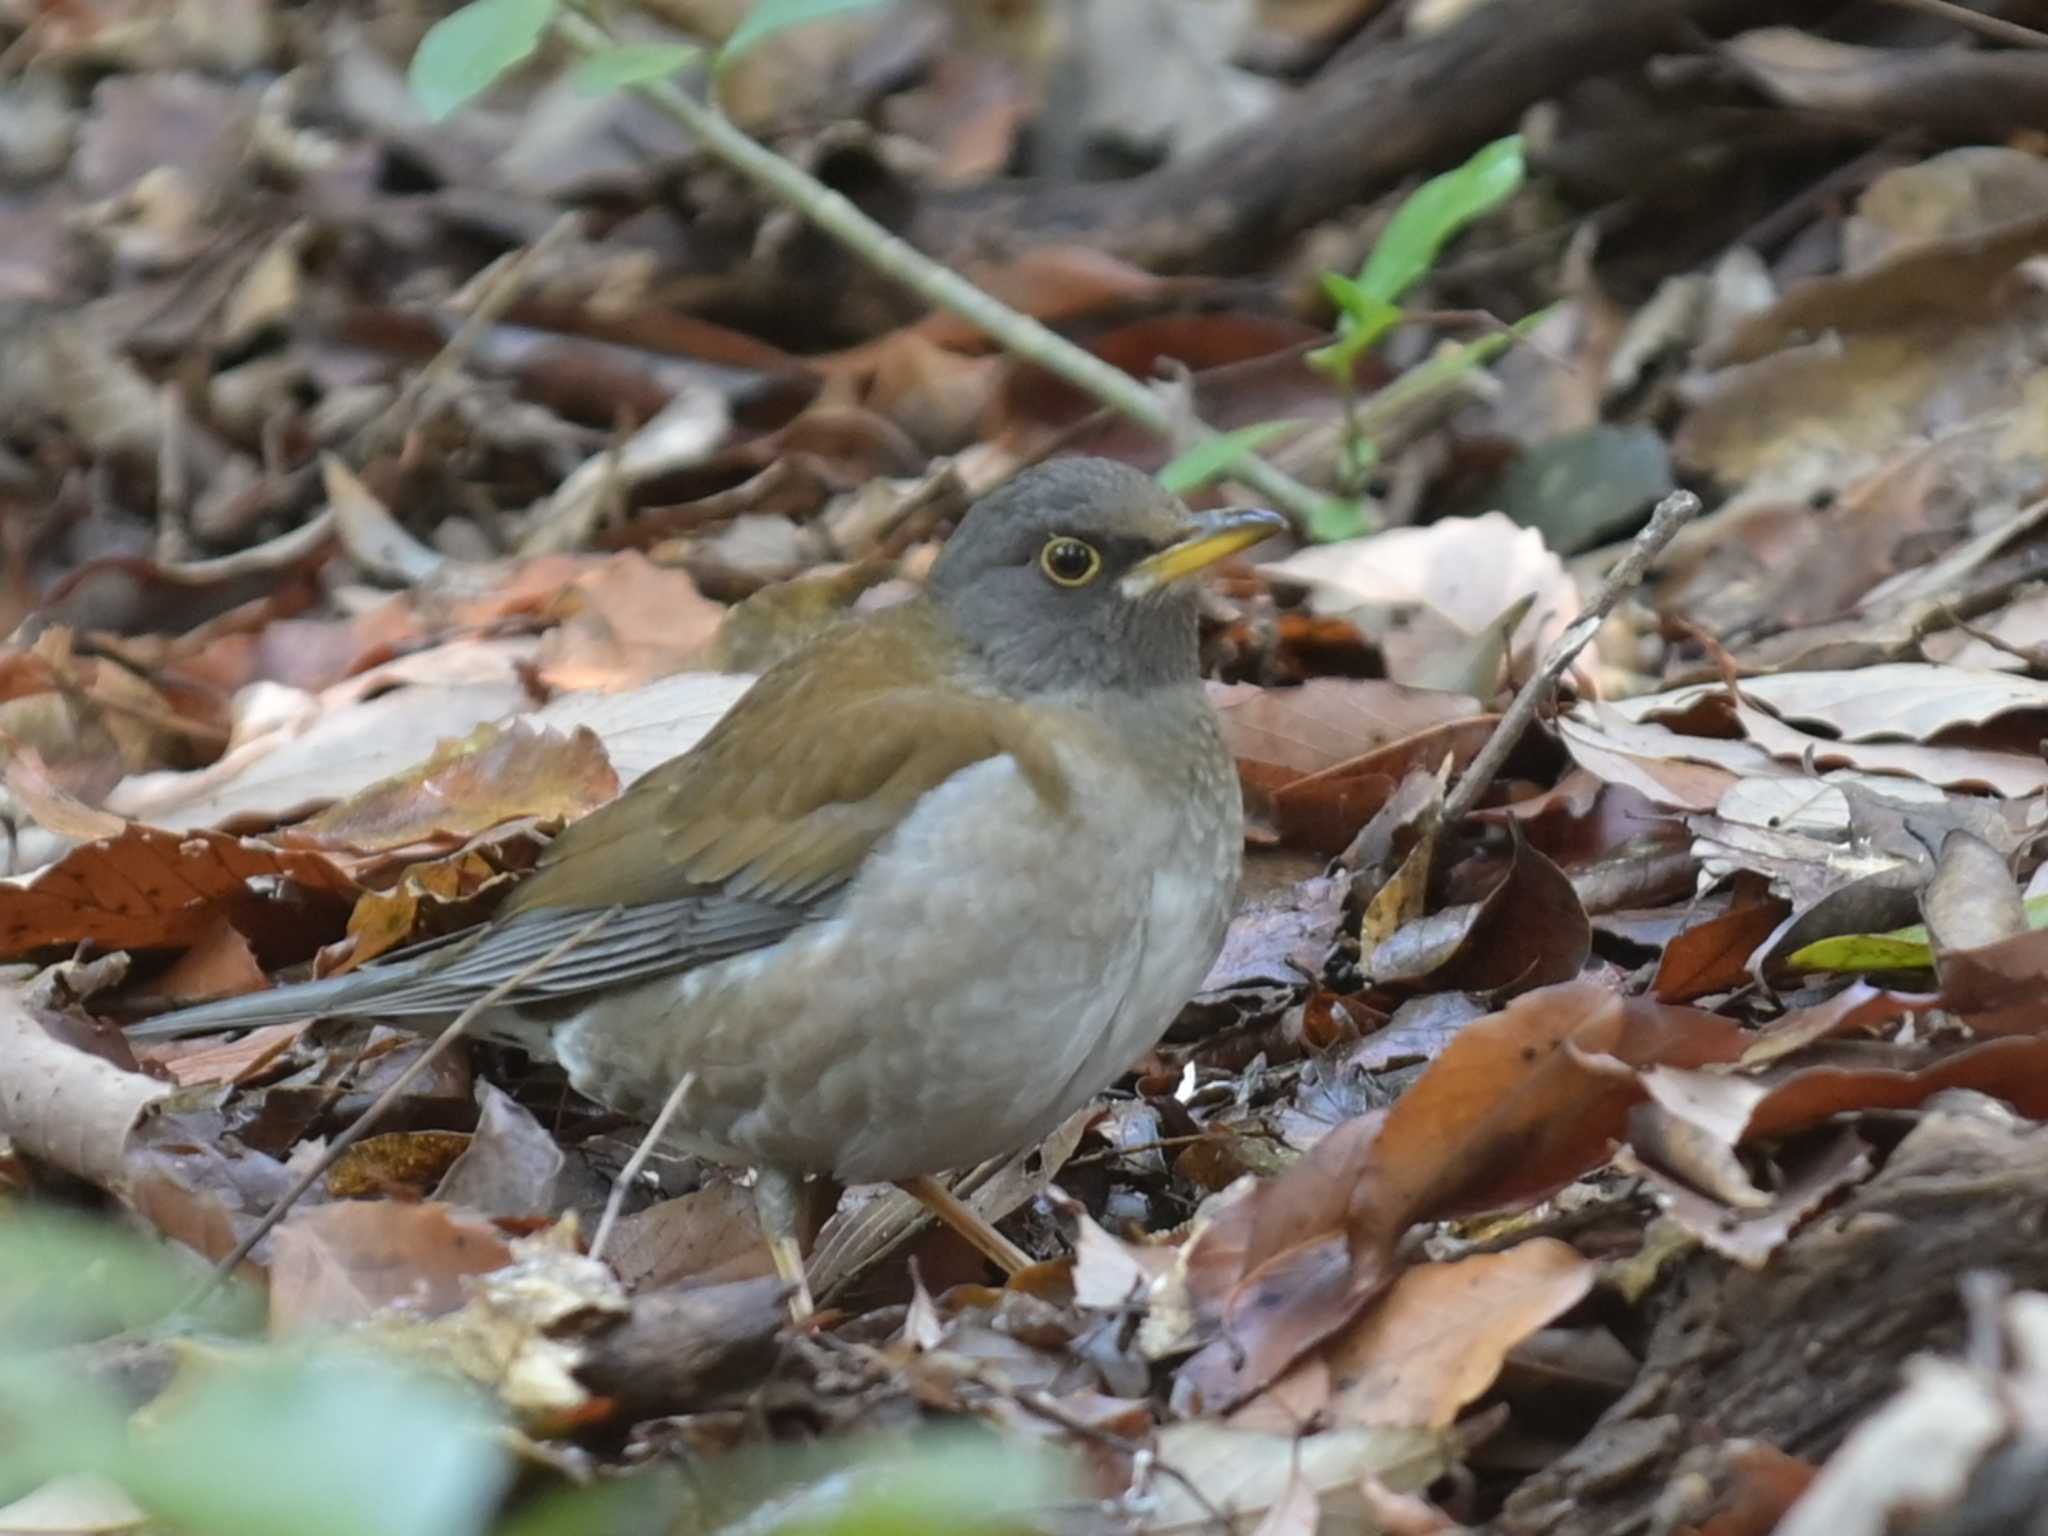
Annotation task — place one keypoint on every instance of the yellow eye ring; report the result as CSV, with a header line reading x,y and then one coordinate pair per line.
x,y
1069,562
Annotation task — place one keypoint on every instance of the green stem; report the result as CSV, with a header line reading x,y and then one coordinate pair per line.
x,y
1017,334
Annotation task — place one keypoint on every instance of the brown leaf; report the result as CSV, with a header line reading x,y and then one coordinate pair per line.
x,y
149,889
205,1060
1713,956
512,1167
219,964
1844,1077
1950,93
1323,811
1435,1341
632,621
403,1164
1528,931
2002,988
1751,1232
706,1237
1952,280
339,1263
1762,1483
1328,720
493,775
1517,1105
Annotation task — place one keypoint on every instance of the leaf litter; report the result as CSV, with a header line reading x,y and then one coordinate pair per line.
x,y
316,641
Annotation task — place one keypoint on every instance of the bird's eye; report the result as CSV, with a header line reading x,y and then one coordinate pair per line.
x,y
1070,562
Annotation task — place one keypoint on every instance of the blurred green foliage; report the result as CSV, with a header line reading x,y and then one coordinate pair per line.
x,y
326,1438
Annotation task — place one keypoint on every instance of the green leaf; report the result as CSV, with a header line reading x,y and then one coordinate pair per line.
x,y
322,1444
1363,320
765,18
939,1482
59,1423
65,1277
1335,519
1197,466
1863,952
1902,949
465,52
1437,210
629,64
1409,247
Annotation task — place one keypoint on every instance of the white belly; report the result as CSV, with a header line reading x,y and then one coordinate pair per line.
x,y
939,1017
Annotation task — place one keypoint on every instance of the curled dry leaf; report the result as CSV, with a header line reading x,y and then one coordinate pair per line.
x,y
149,888
1432,1344
511,1166
73,1110
1327,720
1527,932
1972,901
493,775
523,1329
434,898
1457,576
1750,1231
340,1263
1845,1076
1518,1104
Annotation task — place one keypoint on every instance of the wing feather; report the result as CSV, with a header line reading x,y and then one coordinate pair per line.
x,y
736,844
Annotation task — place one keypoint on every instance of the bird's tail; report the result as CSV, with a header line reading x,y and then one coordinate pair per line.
x,y
354,993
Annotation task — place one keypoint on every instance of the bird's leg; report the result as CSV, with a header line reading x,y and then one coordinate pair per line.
x,y
779,1202
958,1215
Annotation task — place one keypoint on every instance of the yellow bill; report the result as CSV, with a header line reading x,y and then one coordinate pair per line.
x,y
1216,535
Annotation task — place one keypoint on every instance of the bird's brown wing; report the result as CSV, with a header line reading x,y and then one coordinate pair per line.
x,y
755,830
814,766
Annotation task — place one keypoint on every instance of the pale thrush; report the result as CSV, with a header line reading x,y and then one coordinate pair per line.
x,y
930,886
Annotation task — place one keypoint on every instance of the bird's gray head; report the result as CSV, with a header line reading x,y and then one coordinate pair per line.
x,y
1073,575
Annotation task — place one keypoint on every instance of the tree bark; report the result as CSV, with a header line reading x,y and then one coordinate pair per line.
x,y
1796,1354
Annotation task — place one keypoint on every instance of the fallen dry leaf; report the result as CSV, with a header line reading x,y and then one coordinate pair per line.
x,y
1518,1104
1527,932
340,1263
495,774
1432,1344
1327,721
149,888
634,621
1457,576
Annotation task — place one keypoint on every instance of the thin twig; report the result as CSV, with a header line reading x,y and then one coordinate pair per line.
x,y
370,1117
1672,514
1976,21
637,1161
1018,334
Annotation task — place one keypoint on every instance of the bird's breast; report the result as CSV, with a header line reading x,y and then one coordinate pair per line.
x,y
995,963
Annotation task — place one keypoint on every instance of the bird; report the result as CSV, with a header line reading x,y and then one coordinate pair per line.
x,y
933,882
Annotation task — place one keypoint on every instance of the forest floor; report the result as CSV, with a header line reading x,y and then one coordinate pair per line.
x,y
1652,1146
